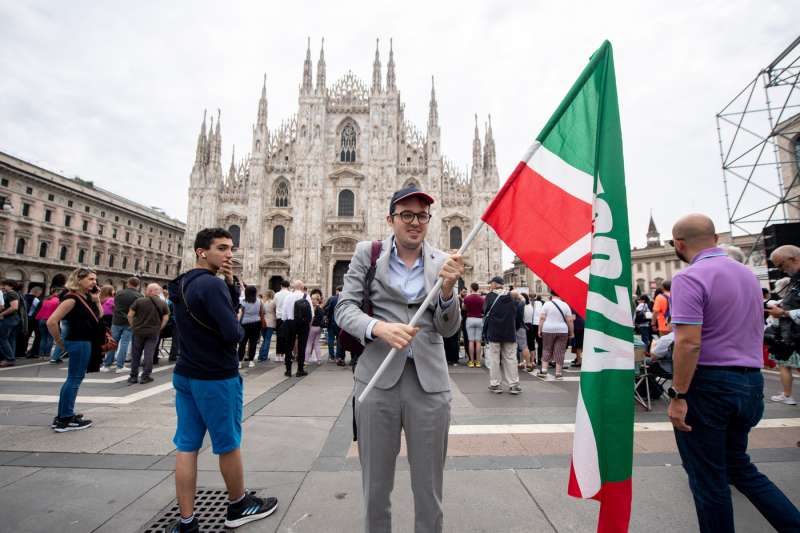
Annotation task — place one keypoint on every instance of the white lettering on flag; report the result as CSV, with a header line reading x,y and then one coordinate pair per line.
x,y
573,252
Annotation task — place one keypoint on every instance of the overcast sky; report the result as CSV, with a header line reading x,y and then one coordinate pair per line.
x,y
114,92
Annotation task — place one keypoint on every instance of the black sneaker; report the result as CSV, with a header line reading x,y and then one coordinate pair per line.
x,y
250,509
176,526
133,381
288,373
71,424
497,389
145,379
54,423
301,373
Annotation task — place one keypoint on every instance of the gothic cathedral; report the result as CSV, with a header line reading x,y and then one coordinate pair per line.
x,y
320,182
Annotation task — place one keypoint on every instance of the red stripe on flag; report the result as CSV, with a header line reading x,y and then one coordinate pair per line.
x,y
615,506
538,220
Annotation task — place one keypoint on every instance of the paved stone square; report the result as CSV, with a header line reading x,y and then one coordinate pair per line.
x,y
507,470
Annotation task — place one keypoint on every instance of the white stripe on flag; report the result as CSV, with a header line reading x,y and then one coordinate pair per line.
x,y
574,252
613,354
563,175
584,452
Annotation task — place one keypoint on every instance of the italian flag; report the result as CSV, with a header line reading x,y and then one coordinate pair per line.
x,y
563,211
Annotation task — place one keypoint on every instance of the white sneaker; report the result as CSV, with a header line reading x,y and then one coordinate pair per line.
x,y
252,364
782,398
105,369
123,370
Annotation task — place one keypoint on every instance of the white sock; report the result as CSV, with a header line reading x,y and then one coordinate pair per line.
x,y
238,499
187,520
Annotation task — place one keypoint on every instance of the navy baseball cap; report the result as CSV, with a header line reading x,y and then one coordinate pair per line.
x,y
496,279
409,192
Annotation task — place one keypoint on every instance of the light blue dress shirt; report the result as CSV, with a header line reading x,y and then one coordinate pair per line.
x,y
409,281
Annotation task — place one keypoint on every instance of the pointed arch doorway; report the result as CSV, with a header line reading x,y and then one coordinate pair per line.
x,y
339,270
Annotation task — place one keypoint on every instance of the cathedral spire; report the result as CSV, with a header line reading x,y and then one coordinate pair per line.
x,y
433,109
232,169
489,156
199,157
376,69
218,139
262,105
321,69
476,151
391,82
307,70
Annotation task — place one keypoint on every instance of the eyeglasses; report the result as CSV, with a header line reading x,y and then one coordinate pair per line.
x,y
408,217
671,242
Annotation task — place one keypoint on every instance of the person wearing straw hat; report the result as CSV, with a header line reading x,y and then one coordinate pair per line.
x,y
413,394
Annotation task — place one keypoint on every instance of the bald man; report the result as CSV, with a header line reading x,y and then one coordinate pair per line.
x,y
717,389
787,259
147,317
296,331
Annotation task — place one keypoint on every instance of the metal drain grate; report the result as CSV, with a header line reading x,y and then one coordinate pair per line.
x,y
210,506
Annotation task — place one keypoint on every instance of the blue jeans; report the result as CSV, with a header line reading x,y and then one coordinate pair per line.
x,y
8,338
122,334
723,406
331,332
58,353
646,334
266,334
46,344
79,354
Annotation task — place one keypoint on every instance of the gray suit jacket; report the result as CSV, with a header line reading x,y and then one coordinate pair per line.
x,y
390,305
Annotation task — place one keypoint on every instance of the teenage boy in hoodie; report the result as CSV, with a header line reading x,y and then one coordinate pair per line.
x,y
208,388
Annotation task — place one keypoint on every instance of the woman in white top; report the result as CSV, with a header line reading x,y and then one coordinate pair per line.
x,y
268,327
555,330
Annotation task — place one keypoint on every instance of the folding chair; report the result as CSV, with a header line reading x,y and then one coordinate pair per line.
x,y
638,358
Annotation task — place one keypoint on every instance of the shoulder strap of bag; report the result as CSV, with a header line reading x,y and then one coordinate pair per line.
x,y
189,311
489,312
375,252
81,300
560,311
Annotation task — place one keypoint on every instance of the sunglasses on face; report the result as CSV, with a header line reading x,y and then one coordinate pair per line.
x,y
671,242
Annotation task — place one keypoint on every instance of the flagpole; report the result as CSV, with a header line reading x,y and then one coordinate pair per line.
x,y
434,292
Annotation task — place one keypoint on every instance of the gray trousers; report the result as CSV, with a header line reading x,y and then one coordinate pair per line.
x,y
148,345
425,420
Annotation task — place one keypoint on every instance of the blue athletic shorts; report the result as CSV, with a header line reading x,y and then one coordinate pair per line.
x,y
213,405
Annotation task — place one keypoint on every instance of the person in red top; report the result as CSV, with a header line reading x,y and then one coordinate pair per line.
x,y
473,308
45,310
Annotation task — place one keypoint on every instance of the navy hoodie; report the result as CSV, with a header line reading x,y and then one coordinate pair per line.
x,y
207,352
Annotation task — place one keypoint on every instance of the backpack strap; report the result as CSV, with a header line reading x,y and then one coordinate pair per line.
x,y
375,252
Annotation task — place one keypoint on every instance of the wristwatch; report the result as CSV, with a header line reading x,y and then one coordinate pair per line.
x,y
675,395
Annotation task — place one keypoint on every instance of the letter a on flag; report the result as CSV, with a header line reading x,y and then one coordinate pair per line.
x,y
563,211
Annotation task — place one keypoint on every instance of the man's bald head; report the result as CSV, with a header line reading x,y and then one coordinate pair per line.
x,y
695,229
298,285
153,289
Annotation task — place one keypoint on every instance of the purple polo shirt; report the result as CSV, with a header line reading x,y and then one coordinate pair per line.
x,y
725,297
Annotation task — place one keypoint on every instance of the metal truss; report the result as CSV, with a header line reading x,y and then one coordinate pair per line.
x,y
750,129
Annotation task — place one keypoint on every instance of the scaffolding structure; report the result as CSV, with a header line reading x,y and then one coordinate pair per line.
x,y
758,133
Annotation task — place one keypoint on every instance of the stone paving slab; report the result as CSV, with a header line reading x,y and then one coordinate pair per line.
x,y
278,444
86,460
70,500
12,474
42,439
473,501
153,441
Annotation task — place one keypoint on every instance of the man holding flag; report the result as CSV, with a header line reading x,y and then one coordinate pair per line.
x,y
413,394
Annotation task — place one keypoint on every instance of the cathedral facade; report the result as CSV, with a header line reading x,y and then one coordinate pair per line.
x,y
314,186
